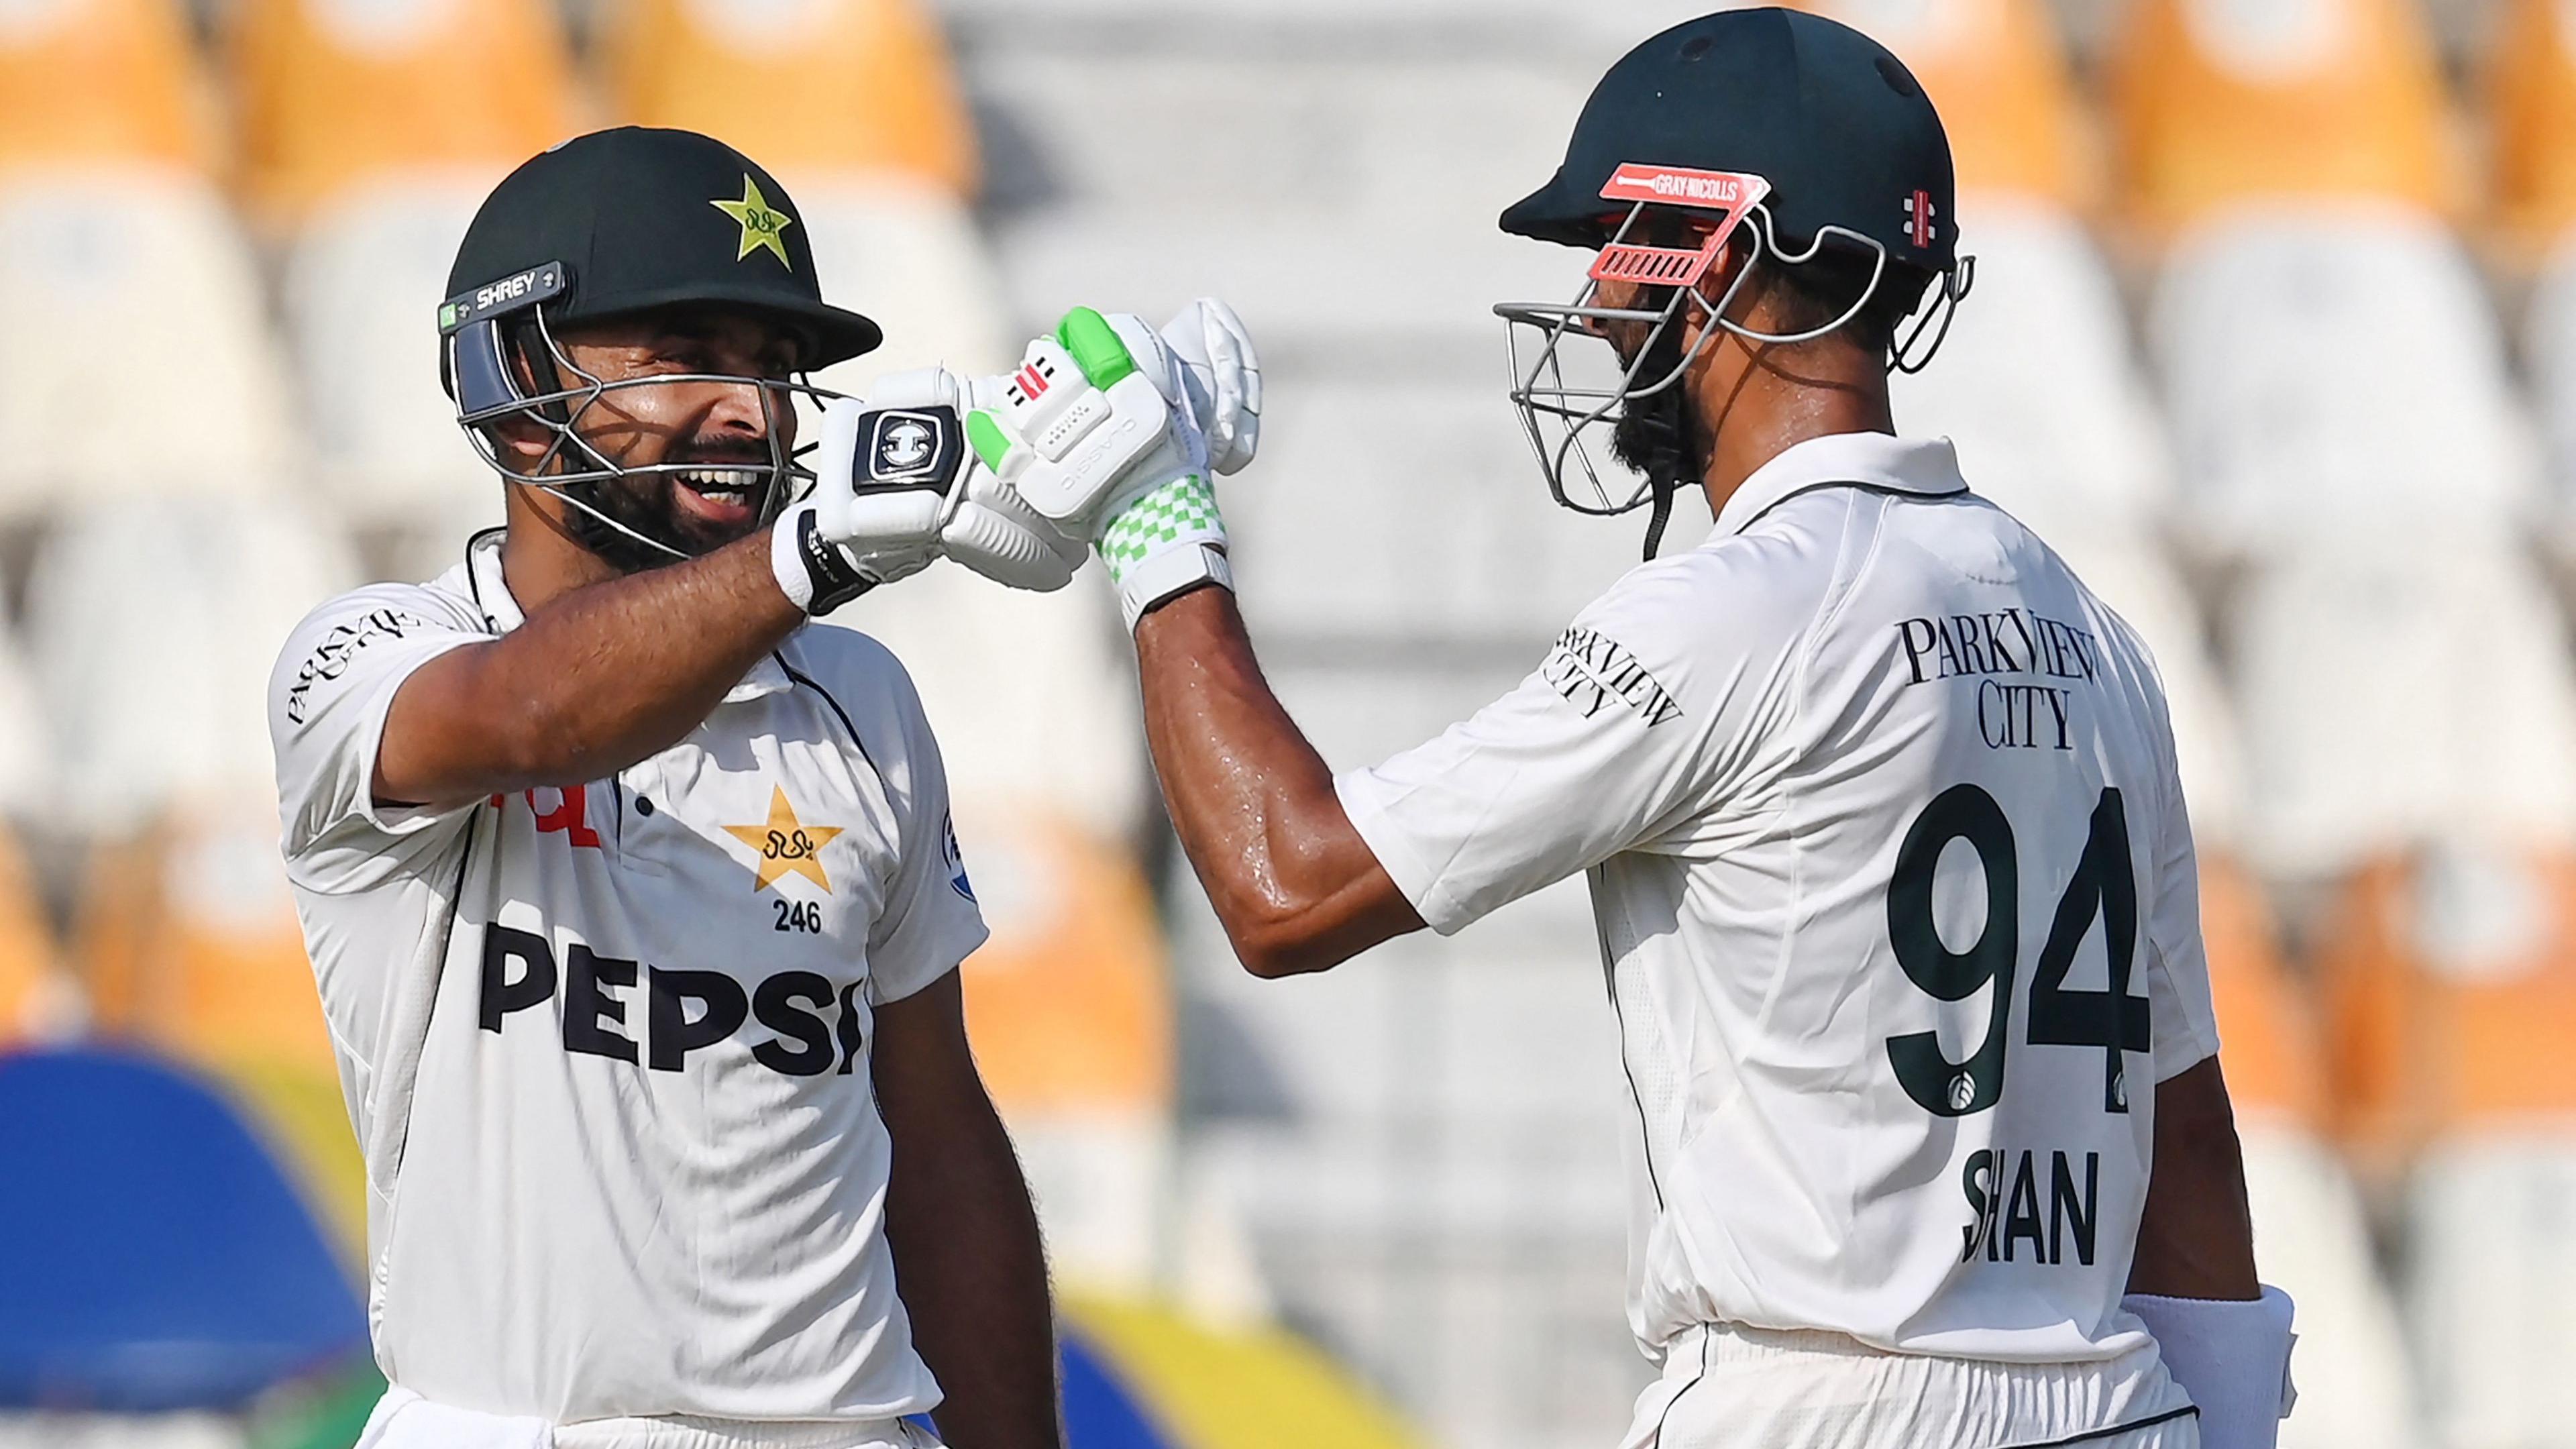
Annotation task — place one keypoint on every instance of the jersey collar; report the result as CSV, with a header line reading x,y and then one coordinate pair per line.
x,y
501,613
1925,468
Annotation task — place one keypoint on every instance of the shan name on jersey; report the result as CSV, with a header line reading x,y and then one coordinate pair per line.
x,y
2008,641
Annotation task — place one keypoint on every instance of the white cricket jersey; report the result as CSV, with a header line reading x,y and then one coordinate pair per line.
x,y
1896,899
606,1046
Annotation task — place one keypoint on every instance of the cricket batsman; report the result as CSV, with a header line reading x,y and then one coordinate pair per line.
x,y
633,902
1877,802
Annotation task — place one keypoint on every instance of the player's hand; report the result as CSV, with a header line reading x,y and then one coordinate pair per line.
x,y
895,488
1222,374
1095,431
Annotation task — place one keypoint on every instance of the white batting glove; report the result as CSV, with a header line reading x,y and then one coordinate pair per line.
x,y
896,488
1223,377
1095,431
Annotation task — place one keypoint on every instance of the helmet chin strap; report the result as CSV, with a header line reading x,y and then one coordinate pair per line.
x,y
1672,455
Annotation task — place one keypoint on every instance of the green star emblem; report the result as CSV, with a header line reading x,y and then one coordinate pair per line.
x,y
762,227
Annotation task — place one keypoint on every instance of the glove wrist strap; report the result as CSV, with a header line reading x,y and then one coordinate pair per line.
x,y
816,574
1176,571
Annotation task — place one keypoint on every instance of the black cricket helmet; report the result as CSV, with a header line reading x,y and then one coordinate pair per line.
x,y
1796,133
611,224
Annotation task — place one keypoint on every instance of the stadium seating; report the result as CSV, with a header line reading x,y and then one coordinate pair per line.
x,y
1995,71
361,287
156,1259
2220,102
2310,1235
187,939
2452,981
2035,381
2531,106
1337,207
156,694
100,83
37,1000
1032,694
2337,368
2550,336
1071,1014
130,295
909,255
807,86
336,93
2398,691
1463,545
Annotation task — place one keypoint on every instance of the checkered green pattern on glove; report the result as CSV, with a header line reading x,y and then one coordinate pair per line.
x,y
1183,508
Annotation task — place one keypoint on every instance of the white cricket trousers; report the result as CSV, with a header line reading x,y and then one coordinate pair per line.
x,y
405,1420
1725,1387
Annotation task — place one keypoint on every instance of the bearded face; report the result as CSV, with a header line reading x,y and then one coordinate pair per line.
x,y
1659,435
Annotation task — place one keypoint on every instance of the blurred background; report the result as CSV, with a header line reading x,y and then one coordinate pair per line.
x,y
2274,337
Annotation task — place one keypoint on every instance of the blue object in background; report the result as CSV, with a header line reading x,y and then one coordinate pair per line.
x,y
1099,1411
152,1256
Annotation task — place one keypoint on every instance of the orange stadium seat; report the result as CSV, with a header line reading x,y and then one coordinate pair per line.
x,y
1996,70
1070,1011
188,940
332,94
2531,104
2221,102
89,82
809,87
36,1000
2451,981
2310,1233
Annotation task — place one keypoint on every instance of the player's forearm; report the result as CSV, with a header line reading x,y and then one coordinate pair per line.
x,y
1295,887
2196,1239
592,682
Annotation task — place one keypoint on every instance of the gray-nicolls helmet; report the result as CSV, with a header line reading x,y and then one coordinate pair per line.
x,y
610,224
1789,129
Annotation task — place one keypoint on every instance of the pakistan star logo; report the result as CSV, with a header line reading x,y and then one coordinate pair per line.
x,y
761,226
785,845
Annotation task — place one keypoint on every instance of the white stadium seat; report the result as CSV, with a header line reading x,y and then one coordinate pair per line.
x,y
907,254
152,627
2356,1390
1331,205
2035,383
361,290
1408,513
1033,696
2551,335
2491,1285
130,296
2337,367
2398,691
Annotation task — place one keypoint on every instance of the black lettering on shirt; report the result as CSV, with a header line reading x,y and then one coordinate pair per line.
x,y
331,658
1591,670
588,1005
775,1005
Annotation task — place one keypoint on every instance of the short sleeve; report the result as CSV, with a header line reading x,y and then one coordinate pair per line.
x,y
327,701
1590,755
2183,1021
931,922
